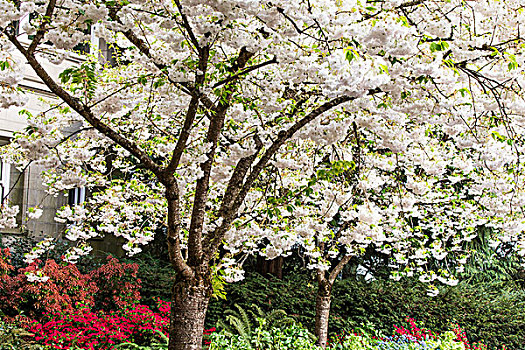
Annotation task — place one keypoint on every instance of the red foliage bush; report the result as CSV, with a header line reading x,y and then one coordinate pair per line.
x,y
118,285
101,331
65,288
112,286
91,311
5,265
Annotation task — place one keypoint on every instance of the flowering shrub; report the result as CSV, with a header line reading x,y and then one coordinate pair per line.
x,y
415,332
461,336
412,338
207,334
85,329
445,341
89,330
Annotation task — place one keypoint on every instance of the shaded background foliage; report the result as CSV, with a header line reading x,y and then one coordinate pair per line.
x,y
489,303
492,312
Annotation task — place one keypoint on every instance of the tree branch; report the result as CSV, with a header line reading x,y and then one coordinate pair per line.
x,y
410,4
174,226
84,111
187,26
195,253
42,28
216,237
190,114
338,268
232,191
245,71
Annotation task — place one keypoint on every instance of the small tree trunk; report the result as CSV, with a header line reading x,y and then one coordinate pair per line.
x,y
270,267
188,311
322,313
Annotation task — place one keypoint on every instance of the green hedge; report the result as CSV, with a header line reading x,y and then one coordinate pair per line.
x,y
156,278
492,313
293,294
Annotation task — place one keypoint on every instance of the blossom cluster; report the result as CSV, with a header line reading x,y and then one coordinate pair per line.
x,y
413,337
333,126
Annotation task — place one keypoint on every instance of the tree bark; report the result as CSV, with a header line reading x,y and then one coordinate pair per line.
x,y
272,267
188,311
322,313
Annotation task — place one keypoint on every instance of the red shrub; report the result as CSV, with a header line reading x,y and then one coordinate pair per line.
x,y
113,286
5,263
88,330
101,331
118,285
415,332
65,288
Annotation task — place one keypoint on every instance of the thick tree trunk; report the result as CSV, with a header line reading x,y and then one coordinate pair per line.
x,y
188,311
322,313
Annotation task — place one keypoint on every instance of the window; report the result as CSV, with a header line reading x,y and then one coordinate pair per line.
x,y
4,180
84,47
107,53
76,196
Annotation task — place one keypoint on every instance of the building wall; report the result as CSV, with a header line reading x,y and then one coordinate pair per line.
x,y
27,189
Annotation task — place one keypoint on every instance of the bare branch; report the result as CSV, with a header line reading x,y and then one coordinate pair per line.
x,y
245,71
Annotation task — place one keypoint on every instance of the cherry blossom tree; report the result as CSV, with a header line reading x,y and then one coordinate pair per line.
x,y
241,124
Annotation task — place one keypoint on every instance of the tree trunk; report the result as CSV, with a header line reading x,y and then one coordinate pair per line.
x,y
188,311
270,267
322,312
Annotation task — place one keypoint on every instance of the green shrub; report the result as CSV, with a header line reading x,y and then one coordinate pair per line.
x,y
292,337
294,294
493,313
156,277
242,321
488,312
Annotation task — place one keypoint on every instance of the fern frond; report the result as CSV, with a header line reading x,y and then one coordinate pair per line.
x,y
239,326
244,319
224,326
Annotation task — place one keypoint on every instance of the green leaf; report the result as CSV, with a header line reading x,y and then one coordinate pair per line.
x,y
438,46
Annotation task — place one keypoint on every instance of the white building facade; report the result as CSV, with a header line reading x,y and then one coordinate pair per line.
x,y
24,187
